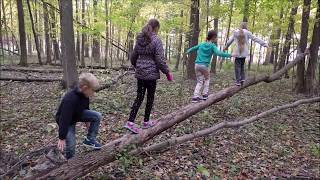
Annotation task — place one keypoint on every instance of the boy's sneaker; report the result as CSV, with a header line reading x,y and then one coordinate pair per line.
x,y
132,127
149,124
238,83
205,97
91,143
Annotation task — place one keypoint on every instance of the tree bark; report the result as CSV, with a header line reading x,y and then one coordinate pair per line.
x,y
246,9
216,28
5,25
78,33
22,34
53,35
253,24
11,23
300,79
179,43
1,39
83,164
286,47
167,45
70,75
96,39
277,43
46,33
35,35
106,50
83,35
310,84
229,26
194,35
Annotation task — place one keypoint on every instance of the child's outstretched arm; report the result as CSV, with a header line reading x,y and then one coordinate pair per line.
x,y
194,48
257,40
217,52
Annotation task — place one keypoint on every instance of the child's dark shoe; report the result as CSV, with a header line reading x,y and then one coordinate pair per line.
x,y
149,124
205,97
91,144
132,127
196,99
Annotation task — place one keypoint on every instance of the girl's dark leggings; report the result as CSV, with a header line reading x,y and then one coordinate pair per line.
x,y
143,86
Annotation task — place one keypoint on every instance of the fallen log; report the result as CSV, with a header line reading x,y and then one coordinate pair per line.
x,y
86,163
87,69
226,124
30,79
114,81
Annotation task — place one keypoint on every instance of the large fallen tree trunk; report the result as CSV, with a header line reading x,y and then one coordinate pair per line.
x,y
226,124
30,79
86,163
87,69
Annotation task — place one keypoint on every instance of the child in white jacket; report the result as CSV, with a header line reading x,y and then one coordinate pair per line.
x,y
241,37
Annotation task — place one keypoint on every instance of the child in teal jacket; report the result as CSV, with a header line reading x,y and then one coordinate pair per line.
x,y
205,50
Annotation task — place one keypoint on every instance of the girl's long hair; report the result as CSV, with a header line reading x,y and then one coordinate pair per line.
x,y
241,37
149,28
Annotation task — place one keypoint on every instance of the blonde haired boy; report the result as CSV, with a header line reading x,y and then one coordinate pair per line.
x,y
74,108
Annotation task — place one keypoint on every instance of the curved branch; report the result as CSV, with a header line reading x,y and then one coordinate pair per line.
x,y
222,125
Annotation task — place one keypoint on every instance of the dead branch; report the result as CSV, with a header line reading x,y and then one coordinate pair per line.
x,y
30,79
222,125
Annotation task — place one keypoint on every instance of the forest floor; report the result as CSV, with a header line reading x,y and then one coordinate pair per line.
x,y
285,144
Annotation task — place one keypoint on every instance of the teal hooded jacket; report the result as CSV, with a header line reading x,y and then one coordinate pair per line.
x,y
205,50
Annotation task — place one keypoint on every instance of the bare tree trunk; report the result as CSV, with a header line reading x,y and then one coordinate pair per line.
x,y
34,33
194,35
166,47
29,44
286,47
229,26
83,35
1,39
253,24
314,49
5,25
277,44
96,39
300,79
87,39
246,9
179,44
22,34
107,36
111,48
70,75
207,15
46,32
216,28
83,164
11,23
119,39
56,50
78,33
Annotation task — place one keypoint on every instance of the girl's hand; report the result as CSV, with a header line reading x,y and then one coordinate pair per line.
x,y
169,76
